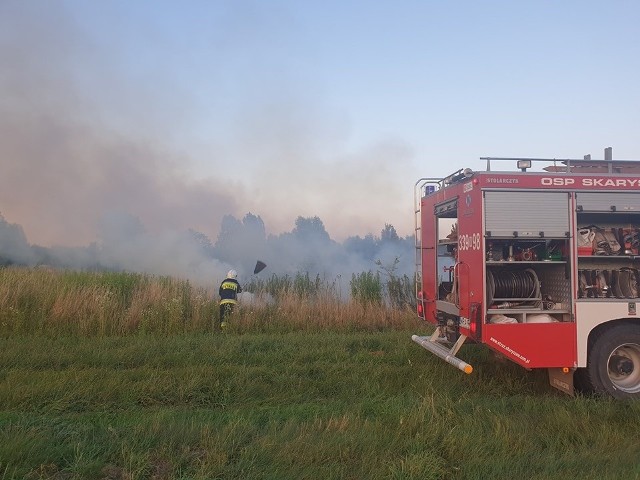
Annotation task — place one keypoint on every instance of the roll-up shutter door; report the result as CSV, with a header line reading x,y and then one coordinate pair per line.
x,y
527,214
608,202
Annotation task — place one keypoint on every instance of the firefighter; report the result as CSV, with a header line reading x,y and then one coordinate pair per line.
x,y
229,290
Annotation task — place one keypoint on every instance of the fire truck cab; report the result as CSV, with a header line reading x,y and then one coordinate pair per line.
x,y
541,264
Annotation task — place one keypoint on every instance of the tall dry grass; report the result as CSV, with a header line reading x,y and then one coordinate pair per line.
x,y
99,303
48,301
293,312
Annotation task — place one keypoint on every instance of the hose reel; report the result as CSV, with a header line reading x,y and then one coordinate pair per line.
x,y
513,287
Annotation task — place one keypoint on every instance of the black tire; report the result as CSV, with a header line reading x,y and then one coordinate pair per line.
x,y
613,365
582,382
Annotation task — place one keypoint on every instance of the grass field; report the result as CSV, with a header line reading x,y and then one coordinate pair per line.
x,y
287,401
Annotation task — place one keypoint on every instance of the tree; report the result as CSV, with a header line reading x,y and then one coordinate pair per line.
x,y
366,247
241,243
254,227
202,241
14,247
310,229
229,229
388,234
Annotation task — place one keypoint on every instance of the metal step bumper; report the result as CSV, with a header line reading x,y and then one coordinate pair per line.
x,y
447,354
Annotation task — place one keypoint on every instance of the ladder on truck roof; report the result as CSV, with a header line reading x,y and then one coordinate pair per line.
x,y
423,187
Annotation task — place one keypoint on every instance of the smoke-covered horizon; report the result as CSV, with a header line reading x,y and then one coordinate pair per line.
x,y
126,245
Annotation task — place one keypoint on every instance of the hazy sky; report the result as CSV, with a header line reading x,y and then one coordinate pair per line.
x,y
179,112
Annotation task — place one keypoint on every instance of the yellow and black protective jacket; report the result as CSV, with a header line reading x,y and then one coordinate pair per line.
x,y
229,290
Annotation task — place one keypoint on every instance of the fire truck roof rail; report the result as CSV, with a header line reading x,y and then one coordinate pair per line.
x,y
572,165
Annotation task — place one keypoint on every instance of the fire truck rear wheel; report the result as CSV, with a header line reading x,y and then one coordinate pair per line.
x,y
613,366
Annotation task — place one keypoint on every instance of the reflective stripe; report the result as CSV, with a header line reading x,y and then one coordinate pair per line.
x,y
229,286
227,300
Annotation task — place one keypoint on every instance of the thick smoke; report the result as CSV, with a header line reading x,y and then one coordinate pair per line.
x,y
127,246
84,187
63,168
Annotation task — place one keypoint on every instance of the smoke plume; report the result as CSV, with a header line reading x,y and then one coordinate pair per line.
x,y
92,176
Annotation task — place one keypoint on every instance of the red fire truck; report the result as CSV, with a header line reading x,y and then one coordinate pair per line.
x,y
541,264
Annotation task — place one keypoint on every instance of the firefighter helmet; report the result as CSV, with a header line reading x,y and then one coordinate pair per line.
x,y
232,274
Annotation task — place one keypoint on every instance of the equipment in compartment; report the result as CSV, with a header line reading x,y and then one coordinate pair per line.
x,y
608,241
608,283
630,240
500,250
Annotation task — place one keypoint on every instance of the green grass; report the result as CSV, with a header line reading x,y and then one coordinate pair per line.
x,y
120,376
297,405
